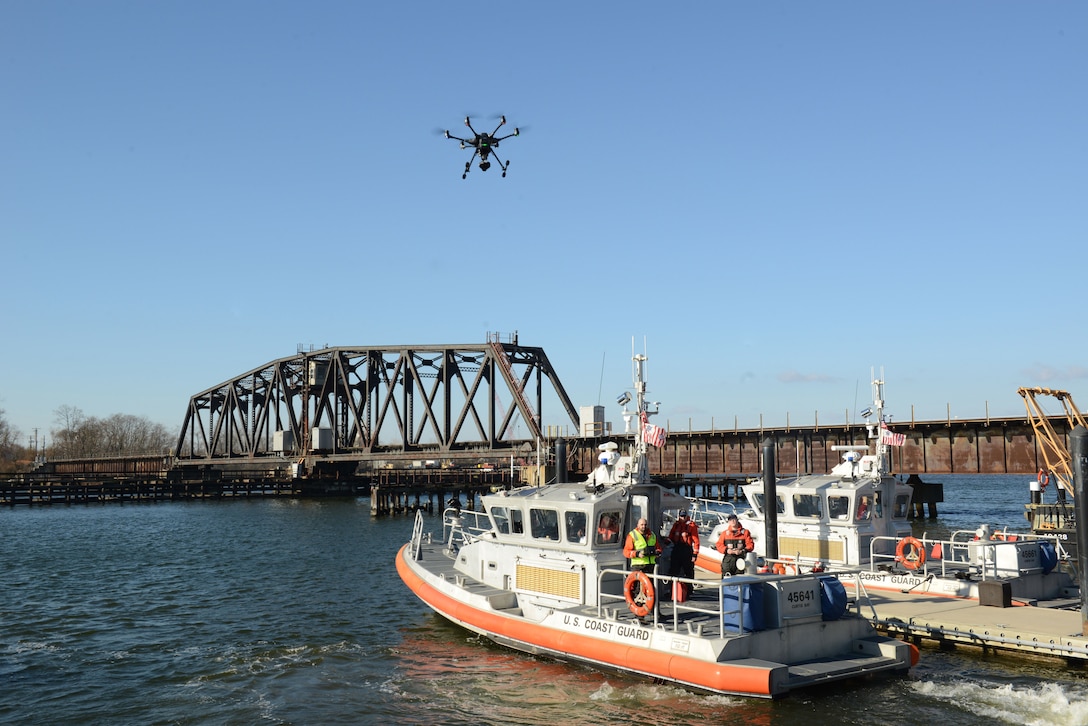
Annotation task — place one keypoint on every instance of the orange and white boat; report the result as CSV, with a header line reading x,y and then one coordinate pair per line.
x,y
541,570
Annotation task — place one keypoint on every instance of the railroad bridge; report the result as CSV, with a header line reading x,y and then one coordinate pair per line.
x,y
436,419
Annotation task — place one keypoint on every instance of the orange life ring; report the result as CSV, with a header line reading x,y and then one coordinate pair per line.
x,y
1043,478
1002,537
781,568
643,603
915,558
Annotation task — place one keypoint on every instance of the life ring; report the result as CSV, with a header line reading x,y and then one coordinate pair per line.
x,y
643,603
1043,478
1002,537
915,558
782,568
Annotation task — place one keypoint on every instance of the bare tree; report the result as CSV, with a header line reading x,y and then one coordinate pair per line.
x,y
127,434
66,436
11,451
78,437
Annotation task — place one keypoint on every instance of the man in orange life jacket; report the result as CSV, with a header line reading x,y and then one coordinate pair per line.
x,y
684,536
734,542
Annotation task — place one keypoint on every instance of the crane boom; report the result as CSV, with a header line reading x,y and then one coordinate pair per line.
x,y
1055,452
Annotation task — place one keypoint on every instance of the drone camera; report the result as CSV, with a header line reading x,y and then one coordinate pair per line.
x,y
485,165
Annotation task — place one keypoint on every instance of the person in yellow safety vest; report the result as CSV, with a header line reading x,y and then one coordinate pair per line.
x,y
642,547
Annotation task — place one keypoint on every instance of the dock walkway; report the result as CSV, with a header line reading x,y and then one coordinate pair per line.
x,y
1039,631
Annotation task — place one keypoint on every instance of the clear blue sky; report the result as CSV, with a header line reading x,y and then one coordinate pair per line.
x,y
775,196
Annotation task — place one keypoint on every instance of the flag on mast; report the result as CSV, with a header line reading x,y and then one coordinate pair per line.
x,y
653,435
890,438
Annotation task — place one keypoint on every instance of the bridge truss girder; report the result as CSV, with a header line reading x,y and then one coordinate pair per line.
x,y
437,400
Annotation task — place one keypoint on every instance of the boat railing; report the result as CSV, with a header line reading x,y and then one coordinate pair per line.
x,y
706,513
418,536
861,594
462,526
727,615
1000,536
943,557
964,553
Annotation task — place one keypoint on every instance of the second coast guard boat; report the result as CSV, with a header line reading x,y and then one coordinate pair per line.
x,y
541,570
855,519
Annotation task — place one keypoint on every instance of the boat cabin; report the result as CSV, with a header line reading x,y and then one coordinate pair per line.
x,y
832,518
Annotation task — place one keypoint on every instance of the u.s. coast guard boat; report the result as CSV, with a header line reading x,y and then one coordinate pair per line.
x,y
855,519
541,569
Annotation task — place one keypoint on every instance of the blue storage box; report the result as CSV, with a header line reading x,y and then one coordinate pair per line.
x,y
833,602
742,601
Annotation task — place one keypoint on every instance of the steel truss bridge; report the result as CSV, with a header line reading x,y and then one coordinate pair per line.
x,y
336,407
340,420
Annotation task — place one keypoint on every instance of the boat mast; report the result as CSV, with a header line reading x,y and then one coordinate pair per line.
x,y
882,453
642,415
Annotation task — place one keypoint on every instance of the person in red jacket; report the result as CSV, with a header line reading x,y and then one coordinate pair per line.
x,y
684,536
735,542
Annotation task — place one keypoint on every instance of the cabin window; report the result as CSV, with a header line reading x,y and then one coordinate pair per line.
x,y
864,510
501,517
544,524
517,522
838,507
576,527
807,505
902,506
780,499
608,528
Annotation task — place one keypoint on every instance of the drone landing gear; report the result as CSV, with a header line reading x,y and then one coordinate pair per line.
x,y
502,166
485,164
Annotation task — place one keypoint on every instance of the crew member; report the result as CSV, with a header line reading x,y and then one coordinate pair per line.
x,y
642,548
607,530
684,536
735,542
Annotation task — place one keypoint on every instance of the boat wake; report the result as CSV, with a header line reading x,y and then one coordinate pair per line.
x,y
1050,704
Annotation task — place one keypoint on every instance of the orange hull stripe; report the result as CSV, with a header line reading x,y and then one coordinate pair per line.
x,y
720,677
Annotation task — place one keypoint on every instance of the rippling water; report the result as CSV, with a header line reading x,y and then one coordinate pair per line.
x,y
291,612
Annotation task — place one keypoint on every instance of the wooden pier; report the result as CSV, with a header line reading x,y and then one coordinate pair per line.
x,y
390,492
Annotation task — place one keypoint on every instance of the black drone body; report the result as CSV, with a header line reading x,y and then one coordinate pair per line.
x,y
484,145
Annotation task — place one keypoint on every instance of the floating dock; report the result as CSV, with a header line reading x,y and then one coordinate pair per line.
x,y
1039,631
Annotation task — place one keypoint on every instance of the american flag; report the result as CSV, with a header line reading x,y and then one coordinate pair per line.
x,y
889,438
653,435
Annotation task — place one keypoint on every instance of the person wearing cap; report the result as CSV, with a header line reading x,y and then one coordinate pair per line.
x,y
735,542
684,536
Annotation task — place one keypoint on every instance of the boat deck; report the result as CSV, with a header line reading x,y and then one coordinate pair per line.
x,y
1044,631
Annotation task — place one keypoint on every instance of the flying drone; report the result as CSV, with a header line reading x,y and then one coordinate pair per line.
x,y
484,145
